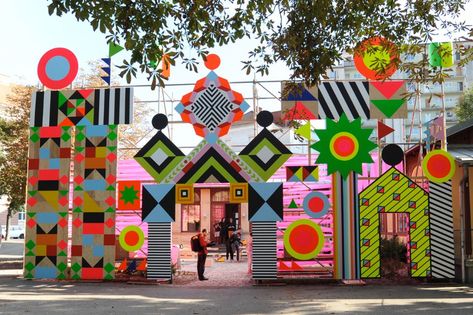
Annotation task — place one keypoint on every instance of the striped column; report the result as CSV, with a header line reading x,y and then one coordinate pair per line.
x,y
441,230
159,251
346,216
264,251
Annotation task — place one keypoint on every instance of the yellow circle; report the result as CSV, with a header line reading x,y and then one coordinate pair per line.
x,y
429,175
123,243
377,57
355,143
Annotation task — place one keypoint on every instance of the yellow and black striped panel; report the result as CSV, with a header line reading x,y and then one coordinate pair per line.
x,y
394,192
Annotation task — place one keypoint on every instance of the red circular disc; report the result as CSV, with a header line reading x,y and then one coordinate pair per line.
x,y
132,238
212,62
303,239
362,51
344,146
52,77
316,204
439,166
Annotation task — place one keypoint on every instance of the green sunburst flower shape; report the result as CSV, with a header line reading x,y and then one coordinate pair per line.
x,y
344,146
129,195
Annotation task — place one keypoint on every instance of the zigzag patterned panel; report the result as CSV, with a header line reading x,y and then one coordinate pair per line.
x,y
159,251
47,202
351,98
212,107
441,230
264,251
393,192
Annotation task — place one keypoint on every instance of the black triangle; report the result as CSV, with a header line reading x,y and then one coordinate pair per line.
x,y
169,203
255,202
149,203
275,201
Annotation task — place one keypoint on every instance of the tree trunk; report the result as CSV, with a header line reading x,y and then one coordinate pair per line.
x,y
7,227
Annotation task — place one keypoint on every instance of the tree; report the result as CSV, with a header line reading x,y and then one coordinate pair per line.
x,y
309,36
464,108
14,130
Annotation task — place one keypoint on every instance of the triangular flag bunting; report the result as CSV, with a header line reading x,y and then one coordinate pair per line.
x,y
293,205
142,265
283,266
114,49
387,88
295,266
304,131
388,107
123,266
383,130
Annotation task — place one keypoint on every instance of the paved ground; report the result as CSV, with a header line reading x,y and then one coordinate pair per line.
x,y
11,249
19,296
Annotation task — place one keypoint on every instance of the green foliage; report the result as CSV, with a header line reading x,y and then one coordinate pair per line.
x,y
308,36
14,147
393,249
464,109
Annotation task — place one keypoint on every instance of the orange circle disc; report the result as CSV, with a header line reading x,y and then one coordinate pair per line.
x,y
212,62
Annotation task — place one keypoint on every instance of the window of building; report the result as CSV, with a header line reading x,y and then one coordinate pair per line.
x,y
460,86
221,196
190,215
403,222
22,216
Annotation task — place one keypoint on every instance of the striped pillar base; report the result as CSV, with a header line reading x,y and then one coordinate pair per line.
x,y
159,251
346,217
441,230
264,251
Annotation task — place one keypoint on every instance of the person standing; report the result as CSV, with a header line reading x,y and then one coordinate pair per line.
x,y
249,252
223,231
230,231
202,255
235,241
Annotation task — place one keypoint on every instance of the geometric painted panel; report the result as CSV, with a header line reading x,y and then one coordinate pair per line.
x,y
302,173
159,203
47,202
265,202
265,154
394,192
129,195
185,193
94,203
159,156
387,99
300,93
239,193
82,107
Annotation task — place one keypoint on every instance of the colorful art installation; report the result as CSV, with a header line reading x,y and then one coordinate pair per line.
x,y
47,202
265,202
159,203
303,239
441,230
302,173
94,203
131,238
344,146
159,251
265,262
349,98
438,166
388,99
441,54
392,154
316,204
305,131
106,70
298,100
346,232
393,192
185,193
376,58
92,116
82,107
129,193
57,68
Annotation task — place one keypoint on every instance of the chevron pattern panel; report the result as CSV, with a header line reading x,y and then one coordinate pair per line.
x,y
351,98
394,192
47,202
159,251
441,230
264,251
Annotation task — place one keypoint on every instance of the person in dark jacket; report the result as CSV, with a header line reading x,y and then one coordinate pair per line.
x,y
230,230
235,242
202,255
223,231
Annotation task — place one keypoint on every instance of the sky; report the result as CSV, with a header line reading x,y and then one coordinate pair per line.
x,y
27,31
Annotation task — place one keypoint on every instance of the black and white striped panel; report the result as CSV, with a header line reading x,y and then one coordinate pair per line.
x,y
159,251
264,251
351,98
113,106
441,230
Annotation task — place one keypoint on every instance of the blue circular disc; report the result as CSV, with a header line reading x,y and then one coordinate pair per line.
x,y
57,68
316,204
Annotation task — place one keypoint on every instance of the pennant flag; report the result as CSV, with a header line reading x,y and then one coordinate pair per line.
x,y
383,130
293,204
304,131
105,75
114,49
166,66
436,128
123,265
142,265
298,112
